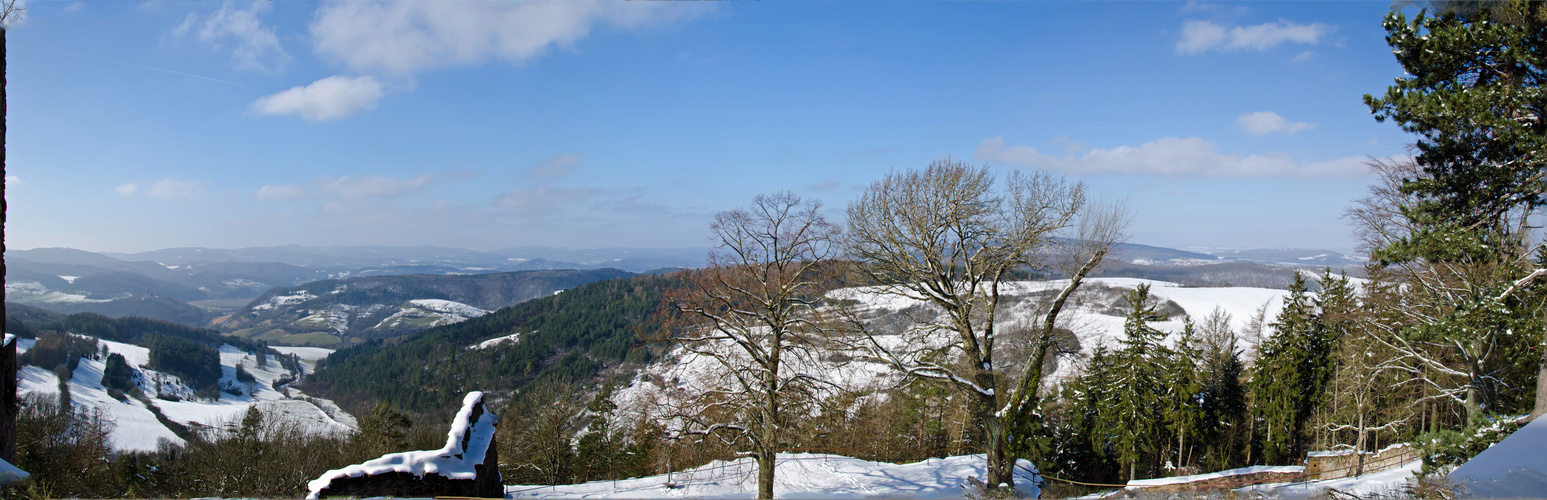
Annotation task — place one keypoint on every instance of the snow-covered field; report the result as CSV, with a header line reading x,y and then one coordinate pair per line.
x,y
798,475
135,427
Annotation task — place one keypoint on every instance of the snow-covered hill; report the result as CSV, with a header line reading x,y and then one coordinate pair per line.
x,y
1095,316
135,426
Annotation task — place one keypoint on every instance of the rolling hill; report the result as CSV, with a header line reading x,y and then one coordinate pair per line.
x,y
351,311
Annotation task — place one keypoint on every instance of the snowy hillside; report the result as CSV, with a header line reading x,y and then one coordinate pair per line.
x,y
344,312
798,475
1094,315
136,427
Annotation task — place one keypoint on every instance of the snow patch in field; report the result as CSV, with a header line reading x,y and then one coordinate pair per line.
x,y
799,475
24,288
428,313
65,298
70,279
285,300
512,338
448,307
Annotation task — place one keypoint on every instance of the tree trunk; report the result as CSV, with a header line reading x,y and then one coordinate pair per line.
x,y
1001,466
1541,373
1359,447
765,473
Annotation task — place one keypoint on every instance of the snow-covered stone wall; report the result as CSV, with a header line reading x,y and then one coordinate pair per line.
x,y
466,467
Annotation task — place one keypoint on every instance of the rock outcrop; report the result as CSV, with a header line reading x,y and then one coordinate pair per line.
x,y
466,467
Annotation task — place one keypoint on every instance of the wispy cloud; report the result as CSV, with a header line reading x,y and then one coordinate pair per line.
x,y
1268,122
1168,156
542,197
330,98
165,189
1200,36
371,186
253,45
283,192
556,167
402,38
349,189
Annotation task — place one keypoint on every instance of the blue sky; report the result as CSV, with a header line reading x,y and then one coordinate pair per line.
x,y
484,125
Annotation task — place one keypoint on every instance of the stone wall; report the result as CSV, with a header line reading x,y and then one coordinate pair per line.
x,y
1334,465
468,466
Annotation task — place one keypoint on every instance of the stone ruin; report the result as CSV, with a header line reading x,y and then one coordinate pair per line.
x,y
466,467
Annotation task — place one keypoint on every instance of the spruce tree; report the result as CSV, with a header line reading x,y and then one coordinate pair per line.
x,y
1290,377
1131,418
1182,385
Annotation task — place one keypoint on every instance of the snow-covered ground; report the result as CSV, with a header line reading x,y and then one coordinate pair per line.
x,y
798,475
429,313
135,427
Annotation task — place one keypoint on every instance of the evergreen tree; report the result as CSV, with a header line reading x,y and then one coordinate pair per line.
x,y
1087,452
1181,390
1458,220
1222,408
1290,377
1130,418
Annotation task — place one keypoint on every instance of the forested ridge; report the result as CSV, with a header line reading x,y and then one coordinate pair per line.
x,y
567,337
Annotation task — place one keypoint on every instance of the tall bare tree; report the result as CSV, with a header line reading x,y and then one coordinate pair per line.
x,y
948,237
756,303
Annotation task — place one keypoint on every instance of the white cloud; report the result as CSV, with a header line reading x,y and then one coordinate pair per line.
x,y
330,98
541,197
1202,36
169,189
404,37
254,47
126,189
1268,122
1168,156
371,186
556,167
283,192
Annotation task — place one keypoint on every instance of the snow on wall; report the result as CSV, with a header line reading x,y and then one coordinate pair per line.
x,y
453,460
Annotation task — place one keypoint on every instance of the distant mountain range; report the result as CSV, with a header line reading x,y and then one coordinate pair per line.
x,y
198,286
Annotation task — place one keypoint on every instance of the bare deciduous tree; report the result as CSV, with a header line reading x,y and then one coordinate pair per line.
x,y
948,237
755,304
